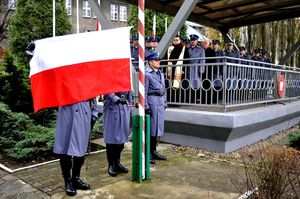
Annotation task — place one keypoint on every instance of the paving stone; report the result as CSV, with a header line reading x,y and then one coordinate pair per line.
x,y
179,177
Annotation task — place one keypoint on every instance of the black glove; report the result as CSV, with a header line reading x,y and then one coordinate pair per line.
x,y
118,101
148,112
93,121
123,102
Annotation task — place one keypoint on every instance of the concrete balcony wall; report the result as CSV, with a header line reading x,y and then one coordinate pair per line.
x,y
226,132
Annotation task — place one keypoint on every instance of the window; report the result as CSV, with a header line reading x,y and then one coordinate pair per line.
x,y
11,4
69,7
94,15
113,12
123,13
86,10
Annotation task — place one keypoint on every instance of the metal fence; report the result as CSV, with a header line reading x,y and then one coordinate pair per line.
x,y
227,82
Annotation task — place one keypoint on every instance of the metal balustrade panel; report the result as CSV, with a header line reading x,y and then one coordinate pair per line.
x,y
230,82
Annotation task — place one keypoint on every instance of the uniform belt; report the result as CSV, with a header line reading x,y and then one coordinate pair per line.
x,y
156,94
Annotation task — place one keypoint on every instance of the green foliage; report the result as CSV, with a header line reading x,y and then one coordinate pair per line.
x,y
32,21
294,139
36,144
160,23
15,87
20,138
97,128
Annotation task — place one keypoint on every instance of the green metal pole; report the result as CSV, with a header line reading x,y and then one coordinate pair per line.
x,y
136,149
147,148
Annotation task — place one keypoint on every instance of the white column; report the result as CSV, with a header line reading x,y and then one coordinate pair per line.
x,y
77,16
53,19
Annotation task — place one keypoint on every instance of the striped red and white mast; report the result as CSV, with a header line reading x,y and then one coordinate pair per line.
x,y
141,29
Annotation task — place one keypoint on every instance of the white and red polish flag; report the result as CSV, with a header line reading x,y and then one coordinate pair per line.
x,y
69,69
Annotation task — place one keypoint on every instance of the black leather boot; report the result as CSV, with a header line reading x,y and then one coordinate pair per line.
x,y
77,182
66,165
152,148
158,156
154,153
110,158
152,160
119,167
69,187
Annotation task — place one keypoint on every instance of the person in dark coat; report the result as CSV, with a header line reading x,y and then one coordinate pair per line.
x,y
175,71
134,51
155,103
73,127
217,72
116,120
206,85
194,72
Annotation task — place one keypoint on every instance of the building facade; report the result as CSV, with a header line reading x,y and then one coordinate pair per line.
x,y
115,11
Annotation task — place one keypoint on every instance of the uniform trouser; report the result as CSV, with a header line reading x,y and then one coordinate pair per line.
x,y
66,165
113,152
153,143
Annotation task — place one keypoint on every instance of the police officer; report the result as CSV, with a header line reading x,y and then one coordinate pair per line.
x,y
148,47
194,72
218,52
230,52
154,42
155,103
217,72
246,72
257,57
73,128
134,50
116,120
243,54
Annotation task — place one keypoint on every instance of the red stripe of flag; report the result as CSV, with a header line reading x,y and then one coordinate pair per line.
x,y
74,83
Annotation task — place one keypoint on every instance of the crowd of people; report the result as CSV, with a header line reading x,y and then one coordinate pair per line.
x,y
212,48
193,52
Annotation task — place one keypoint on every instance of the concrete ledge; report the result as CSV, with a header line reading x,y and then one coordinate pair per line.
x,y
226,132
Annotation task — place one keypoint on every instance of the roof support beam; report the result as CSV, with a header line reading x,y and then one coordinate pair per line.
x,y
290,53
100,16
181,16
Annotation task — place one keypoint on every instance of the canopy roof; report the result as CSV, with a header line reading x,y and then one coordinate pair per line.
x,y
226,14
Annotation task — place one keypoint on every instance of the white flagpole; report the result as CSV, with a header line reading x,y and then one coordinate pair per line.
x,y
154,26
53,19
166,24
77,16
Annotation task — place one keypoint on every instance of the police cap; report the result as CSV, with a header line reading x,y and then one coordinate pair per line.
x,y
153,55
229,43
257,51
135,37
148,39
186,41
194,37
242,48
216,42
155,39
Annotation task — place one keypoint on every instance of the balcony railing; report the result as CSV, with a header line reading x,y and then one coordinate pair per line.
x,y
228,82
